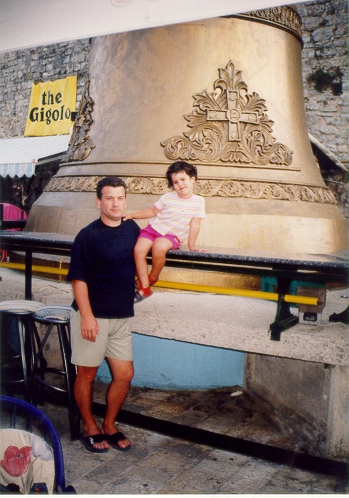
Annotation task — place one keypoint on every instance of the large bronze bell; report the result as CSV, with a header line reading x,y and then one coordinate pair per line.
x,y
224,94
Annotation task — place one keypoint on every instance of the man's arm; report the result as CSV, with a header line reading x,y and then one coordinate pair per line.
x,y
89,325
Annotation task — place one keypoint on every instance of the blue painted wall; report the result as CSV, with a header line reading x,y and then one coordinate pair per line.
x,y
169,364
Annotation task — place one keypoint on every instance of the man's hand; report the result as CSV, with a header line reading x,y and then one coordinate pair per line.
x,y
89,325
89,328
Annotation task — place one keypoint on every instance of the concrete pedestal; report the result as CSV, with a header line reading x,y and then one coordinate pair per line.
x,y
304,375
311,399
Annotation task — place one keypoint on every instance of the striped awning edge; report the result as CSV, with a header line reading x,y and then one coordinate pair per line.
x,y
17,169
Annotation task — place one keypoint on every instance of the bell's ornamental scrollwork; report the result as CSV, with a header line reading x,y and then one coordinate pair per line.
x,y
80,144
228,125
249,189
284,17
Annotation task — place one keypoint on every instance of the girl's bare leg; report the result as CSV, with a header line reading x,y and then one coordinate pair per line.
x,y
159,250
141,250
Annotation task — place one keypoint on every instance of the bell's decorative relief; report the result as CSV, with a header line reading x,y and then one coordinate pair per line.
x,y
286,17
80,144
206,188
229,126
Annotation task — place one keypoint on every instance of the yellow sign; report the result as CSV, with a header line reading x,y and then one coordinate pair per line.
x,y
50,108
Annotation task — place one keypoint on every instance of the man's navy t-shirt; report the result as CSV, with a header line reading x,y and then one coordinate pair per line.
x,y
102,257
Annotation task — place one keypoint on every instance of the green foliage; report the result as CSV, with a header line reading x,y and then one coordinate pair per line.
x,y
323,80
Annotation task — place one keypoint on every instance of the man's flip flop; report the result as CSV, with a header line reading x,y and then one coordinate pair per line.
x,y
114,439
89,441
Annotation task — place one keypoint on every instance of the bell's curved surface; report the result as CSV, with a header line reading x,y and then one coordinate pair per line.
x,y
224,94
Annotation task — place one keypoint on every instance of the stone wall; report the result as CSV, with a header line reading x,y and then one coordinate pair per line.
x,y
21,68
325,72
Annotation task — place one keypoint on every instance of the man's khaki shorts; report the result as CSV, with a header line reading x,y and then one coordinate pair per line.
x,y
113,341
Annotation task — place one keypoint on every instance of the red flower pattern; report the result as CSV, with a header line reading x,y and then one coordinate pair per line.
x,y
16,461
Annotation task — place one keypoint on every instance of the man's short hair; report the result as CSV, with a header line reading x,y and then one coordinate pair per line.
x,y
178,166
109,181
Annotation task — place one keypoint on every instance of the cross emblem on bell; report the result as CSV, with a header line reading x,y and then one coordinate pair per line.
x,y
232,115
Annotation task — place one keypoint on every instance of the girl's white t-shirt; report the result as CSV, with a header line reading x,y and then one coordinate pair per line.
x,y
176,213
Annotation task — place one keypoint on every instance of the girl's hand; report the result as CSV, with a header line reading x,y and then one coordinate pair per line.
x,y
196,248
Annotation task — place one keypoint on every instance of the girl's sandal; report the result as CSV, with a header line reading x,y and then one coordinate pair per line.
x,y
142,293
138,284
151,280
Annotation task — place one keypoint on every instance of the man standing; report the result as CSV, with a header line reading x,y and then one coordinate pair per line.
x,y
102,273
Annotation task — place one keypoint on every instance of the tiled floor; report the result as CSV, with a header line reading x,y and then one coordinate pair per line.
x,y
227,411
161,464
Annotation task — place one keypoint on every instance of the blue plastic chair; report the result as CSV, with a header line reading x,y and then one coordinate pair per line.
x,y
20,415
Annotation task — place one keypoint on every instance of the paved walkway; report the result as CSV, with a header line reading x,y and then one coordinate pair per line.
x,y
158,464
163,464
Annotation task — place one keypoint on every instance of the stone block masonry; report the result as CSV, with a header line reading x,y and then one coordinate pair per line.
x,y
325,72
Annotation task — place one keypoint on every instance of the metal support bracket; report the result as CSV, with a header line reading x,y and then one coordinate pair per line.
x,y
284,319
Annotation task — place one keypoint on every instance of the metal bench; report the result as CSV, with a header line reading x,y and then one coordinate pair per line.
x,y
311,268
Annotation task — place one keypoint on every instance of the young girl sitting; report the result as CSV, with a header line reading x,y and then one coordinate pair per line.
x,y
176,217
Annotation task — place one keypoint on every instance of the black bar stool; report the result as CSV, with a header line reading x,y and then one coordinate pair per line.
x,y
56,317
19,341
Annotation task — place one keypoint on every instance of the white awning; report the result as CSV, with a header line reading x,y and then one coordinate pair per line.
x,y
17,169
19,156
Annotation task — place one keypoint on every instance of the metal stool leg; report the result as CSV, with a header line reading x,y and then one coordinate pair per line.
x,y
35,341
70,374
19,313
39,368
22,344
59,317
